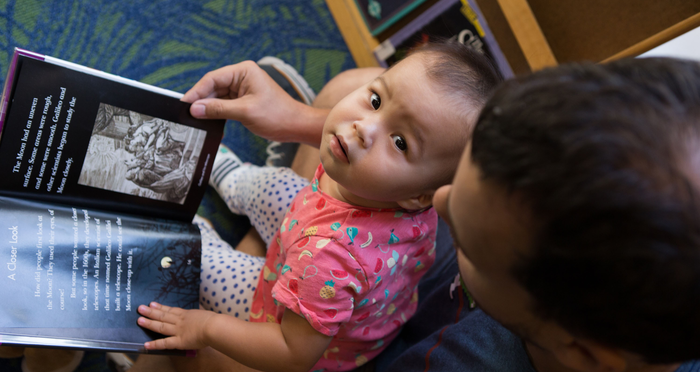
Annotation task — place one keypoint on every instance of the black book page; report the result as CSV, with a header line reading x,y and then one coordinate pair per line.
x,y
76,138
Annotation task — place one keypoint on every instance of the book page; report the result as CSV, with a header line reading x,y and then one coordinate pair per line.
x,y
81,139
67,267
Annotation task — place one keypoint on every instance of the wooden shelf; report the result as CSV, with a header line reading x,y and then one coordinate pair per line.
x,y
351,25
592,30
534,34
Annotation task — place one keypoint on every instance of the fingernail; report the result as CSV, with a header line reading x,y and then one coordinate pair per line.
x,y
198,110
142,321
155,305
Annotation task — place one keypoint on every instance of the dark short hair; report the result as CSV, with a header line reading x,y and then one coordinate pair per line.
x,y
608,159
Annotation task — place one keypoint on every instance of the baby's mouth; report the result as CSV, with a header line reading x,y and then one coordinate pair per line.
x,y
342,145
339,148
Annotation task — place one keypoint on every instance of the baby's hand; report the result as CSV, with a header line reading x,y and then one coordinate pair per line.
x,y
185,326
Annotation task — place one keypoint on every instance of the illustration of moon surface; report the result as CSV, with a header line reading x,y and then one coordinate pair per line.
x,y
166,262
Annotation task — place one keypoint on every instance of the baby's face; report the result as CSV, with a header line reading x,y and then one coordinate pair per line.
x,y
394,138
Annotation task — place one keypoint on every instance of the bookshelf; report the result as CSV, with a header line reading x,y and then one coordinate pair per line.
x,y
356,35
534,34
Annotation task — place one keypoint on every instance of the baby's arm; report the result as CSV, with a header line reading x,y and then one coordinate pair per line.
x,y
291,346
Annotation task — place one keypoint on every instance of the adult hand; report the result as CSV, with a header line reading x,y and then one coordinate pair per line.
x,y
186,327
246,93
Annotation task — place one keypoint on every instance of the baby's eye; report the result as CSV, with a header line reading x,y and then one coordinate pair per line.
x,y
399,142
375,101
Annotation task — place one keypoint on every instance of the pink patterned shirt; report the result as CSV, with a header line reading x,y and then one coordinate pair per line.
x,y
352,272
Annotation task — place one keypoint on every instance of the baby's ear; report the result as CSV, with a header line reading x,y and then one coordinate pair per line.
x,y
419,202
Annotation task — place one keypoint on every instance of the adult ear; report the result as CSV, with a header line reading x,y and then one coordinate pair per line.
x,y
418,202
584,355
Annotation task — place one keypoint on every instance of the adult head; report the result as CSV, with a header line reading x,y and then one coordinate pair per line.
x,y
576,210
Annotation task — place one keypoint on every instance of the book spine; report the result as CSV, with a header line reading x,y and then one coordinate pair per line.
x,y
470,10
420,21
387,48
396,17
5,100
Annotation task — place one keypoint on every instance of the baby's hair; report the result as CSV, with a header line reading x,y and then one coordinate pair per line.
x,y
466,77
461,69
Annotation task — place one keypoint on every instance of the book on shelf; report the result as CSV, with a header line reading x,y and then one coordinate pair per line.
x,y
446,19
100,179
380,14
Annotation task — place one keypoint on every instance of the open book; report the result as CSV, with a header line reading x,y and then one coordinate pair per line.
x,y
99,181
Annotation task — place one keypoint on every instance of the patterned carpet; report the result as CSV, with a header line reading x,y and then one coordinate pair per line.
x,y
171,44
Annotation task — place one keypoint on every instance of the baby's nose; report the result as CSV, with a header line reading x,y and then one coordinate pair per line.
x,y
366,132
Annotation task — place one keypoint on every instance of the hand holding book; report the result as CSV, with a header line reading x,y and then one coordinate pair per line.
x,y
246,93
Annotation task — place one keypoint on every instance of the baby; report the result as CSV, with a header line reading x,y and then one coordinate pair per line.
x,y
345,252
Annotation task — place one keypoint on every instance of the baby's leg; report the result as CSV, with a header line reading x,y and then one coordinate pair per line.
x,y
261,193
228,277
